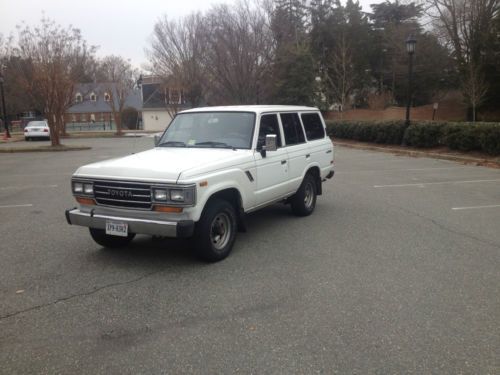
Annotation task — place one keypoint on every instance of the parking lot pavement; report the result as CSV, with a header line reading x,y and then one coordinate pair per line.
x,y
397,271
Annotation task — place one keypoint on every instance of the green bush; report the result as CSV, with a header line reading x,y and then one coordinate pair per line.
x,y
463,136
389,132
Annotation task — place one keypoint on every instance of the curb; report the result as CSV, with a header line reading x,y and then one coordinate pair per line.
x,y
44,149
417,154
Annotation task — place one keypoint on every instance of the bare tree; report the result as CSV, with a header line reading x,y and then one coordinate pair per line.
x,y
240,52
176,52
474,87
119,83
53,58
340,73
467,26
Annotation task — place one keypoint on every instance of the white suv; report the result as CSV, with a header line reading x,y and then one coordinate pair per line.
x,y
210,167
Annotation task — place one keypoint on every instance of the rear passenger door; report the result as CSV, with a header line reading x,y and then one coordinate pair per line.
x,y
296,148
320,146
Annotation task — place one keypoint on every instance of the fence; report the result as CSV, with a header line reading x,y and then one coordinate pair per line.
x,y
90,126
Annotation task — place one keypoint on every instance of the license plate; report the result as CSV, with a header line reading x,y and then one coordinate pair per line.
x,y
115,228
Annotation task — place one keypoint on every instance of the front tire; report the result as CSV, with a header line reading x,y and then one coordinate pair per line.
x,y
112,242
304,200
216,231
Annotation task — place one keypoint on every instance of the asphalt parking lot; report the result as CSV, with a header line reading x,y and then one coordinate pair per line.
x,y
397,271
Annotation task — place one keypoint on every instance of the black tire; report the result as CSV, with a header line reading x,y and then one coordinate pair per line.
x,y
112,242
27,139
304,200
216,231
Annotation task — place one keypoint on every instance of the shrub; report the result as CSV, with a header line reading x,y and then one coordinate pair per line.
x,y
463,136
389,132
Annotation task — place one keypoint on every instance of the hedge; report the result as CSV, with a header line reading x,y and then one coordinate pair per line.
x,y
463,136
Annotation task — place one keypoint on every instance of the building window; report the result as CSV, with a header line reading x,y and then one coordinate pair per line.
x,y
93,97
101,117
78,98
92,117
107,97
73,118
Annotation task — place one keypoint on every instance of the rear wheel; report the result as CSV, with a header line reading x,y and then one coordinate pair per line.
x,y
27,139
216,231
304,200
105,240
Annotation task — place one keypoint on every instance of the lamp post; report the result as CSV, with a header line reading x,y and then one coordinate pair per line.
x,y
4,113
410,48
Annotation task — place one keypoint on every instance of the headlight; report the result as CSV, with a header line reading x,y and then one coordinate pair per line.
x,y
77,187
88,188
177,195
160,195
85,188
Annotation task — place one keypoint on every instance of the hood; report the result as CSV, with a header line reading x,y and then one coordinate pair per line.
x,y
161,163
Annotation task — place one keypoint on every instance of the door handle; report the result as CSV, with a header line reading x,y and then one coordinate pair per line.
x,y
283,162
308,156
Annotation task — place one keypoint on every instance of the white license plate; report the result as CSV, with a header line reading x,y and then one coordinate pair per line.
x,y
115,228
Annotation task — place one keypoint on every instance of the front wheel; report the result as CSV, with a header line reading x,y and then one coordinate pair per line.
x,y
105,240
216,231
304,200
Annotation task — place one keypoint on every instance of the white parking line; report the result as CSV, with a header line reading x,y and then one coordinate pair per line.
x,y
475,207
17,205
27,187
423,184
396,170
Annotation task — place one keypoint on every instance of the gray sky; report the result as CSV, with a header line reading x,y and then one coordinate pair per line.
x,y
117,27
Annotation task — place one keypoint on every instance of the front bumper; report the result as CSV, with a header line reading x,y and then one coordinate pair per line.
x,y
179,229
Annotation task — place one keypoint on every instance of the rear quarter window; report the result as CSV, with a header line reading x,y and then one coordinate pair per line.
x,y
313,126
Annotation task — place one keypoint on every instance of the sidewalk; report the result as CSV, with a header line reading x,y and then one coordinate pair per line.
x,y
476,158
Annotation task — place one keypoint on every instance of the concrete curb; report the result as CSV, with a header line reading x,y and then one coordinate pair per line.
x,y
43,149
419,154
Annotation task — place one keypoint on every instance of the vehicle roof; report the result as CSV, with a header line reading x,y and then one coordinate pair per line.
x,y
37,122
252,108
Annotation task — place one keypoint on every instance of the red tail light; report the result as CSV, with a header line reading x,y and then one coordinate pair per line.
x,y
45,130
25,130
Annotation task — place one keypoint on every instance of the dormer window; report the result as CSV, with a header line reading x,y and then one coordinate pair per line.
x,y
93,97
78,98
107,97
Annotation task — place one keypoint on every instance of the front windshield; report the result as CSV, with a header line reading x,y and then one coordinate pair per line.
x,y
210,129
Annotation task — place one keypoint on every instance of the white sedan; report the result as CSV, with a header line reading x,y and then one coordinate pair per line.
x,y
36,129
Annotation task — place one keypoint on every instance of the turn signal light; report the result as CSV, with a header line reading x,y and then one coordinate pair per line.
x,y
87,201
176,210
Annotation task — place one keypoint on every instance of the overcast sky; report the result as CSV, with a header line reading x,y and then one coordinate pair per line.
x,y
120,27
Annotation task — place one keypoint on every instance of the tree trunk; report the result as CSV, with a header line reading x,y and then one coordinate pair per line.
x,y
54,131
118,123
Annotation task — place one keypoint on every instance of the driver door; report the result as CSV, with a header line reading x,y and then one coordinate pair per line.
x,y
272,170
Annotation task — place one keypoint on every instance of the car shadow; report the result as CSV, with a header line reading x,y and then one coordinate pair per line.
x,y
150,251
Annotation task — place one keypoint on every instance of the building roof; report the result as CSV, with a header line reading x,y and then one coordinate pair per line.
x,y
253,108
100,105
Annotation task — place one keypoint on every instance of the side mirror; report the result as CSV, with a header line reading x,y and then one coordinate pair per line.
x,y
156,139
271,144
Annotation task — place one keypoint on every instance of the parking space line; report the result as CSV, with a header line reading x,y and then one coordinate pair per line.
x,y
27,187
396,170
475,207
422,184
17,205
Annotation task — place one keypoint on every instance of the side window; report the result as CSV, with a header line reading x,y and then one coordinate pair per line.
x,y
268,125
292,128
313,126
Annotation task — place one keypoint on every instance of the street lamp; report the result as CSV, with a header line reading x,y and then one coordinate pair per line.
x,y
410,48
4,113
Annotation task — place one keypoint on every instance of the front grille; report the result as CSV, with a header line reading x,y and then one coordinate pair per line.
x,y
123,194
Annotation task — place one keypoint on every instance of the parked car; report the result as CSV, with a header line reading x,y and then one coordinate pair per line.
x,y
209,168
36,130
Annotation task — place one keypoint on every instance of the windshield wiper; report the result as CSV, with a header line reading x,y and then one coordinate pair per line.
x,y
172,144
215,144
